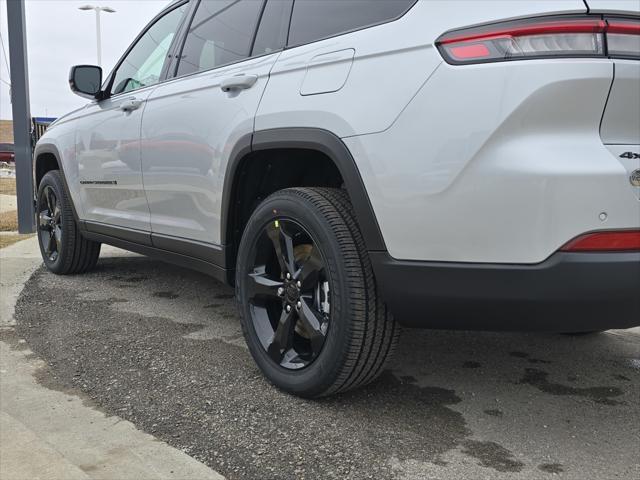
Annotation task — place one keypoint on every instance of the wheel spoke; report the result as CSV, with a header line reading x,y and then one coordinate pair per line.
x,y
282,340
57,234
283,245
51,243
289,255
45,237
273,233
309,273
262,286
50,197
311,319
44,220
57,213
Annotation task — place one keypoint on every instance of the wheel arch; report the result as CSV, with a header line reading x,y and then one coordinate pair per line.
x,y
46,158
319,141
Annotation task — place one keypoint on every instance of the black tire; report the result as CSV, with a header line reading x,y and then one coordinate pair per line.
x,y
63,248
360,334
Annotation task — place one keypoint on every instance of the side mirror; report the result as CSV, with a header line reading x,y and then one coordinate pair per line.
x,y
86,80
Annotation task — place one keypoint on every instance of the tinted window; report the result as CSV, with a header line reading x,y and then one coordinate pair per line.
x,y
143,64
274,27
221,32
316,19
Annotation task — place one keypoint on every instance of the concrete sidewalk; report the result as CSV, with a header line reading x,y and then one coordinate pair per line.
x,y
54,435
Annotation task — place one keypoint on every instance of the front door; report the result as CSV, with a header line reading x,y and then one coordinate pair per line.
x,y
108,136
192,123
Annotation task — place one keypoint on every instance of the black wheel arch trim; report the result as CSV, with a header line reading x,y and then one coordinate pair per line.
x,y
51,149
309,139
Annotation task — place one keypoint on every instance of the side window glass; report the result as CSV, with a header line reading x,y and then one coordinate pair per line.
x,y
143,64
274,27
221,32
317,19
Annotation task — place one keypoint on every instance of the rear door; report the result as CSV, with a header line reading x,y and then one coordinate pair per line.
x,y
192,123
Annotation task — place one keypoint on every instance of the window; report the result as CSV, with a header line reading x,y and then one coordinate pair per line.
x,y
143,64
274,27
221,32
314,20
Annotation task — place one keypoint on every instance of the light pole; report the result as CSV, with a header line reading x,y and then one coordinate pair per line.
x,y
98,30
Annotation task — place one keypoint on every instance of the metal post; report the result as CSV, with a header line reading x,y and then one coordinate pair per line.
x,y
21,115
98,37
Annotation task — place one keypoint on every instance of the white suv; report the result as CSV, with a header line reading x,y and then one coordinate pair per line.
x,y
353,165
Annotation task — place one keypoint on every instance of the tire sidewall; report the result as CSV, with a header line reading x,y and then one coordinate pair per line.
x,y
317,377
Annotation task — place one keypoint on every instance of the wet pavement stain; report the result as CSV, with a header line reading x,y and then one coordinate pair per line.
x,y
538,379
519,354
135,279
538,360
471,364
169,295
554,468
492,455
494,412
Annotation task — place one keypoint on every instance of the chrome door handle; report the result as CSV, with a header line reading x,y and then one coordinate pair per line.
x,y
130,105
238,82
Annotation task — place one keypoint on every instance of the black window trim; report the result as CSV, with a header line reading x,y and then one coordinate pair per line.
x,y
163,73
384,22
174,73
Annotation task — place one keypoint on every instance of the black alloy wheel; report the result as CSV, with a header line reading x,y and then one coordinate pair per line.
x,y
63,248
289,294
307,298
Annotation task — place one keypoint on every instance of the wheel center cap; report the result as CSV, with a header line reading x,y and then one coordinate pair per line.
x,y
292,293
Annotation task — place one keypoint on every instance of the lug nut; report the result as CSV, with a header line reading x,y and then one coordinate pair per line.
x,y
299,305
288,276
280,291
288,308
299,284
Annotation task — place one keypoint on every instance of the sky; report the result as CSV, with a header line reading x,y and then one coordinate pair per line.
x,y
60,36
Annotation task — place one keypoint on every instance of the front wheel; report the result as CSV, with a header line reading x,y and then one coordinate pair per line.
x,y
63,248
311,315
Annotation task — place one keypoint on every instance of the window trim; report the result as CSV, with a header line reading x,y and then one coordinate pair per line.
x,y
174,74
384,22
163,73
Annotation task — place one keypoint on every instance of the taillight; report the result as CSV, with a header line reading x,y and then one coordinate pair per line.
x,y
623,38
613,241
542,38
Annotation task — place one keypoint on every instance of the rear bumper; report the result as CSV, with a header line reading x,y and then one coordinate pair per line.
x,y
569,292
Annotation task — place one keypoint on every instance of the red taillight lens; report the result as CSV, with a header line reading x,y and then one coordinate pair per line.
x,y
623,38
614,241
540,38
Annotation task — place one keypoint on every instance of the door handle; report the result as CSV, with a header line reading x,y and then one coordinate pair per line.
x,y
130,105
238,82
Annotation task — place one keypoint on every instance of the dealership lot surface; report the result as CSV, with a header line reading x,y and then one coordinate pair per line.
x,y
162,347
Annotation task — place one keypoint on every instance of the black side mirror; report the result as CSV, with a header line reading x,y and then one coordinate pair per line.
x,y
86,80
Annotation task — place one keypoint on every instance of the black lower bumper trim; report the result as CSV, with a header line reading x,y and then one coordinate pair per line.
x,y
569,292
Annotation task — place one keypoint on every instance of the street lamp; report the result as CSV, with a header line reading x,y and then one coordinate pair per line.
x,y
98,30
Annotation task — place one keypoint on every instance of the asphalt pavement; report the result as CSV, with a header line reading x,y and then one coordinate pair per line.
x,y
162,348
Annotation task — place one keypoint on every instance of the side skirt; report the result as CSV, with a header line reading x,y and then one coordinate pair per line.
x,y
204,258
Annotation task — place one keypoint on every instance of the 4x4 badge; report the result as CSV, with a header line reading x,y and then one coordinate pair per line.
x,y
635,178
630,155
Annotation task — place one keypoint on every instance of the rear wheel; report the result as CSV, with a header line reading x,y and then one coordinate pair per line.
x,y
63,248
310,311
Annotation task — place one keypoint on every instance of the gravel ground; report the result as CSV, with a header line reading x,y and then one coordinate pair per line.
x,y
161,347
